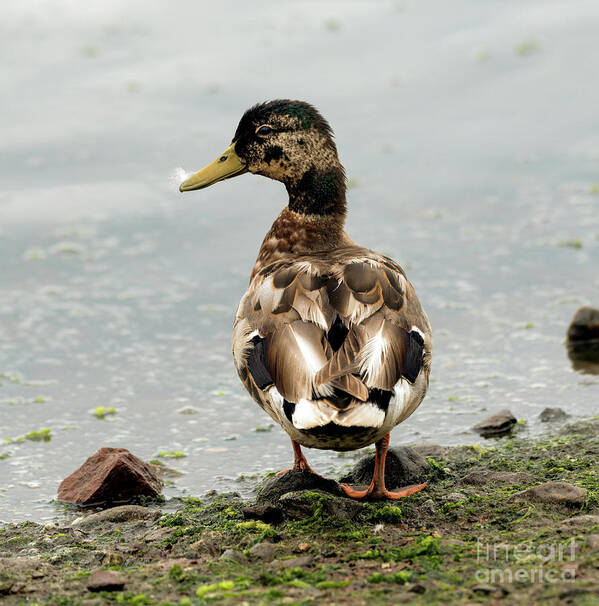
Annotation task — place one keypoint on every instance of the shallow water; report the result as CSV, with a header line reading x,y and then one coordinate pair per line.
x,y
470,137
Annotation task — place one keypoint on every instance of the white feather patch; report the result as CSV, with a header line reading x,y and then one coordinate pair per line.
x,y
307,267
362,415
399,407
416,329
309,414
316,316
315,359
360,312
242,335
274,404
275,397
371,356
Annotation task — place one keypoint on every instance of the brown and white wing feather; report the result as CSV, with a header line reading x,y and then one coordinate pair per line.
x,y
339,321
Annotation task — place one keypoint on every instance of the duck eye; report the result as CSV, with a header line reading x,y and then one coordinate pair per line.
x,y
264,130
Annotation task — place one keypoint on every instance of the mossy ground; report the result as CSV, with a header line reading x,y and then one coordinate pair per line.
x,y
453,543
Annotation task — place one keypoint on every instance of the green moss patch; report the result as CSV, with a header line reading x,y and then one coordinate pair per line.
x,y
456,542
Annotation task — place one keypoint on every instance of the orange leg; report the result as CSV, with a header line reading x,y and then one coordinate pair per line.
x,y
299,461
377,489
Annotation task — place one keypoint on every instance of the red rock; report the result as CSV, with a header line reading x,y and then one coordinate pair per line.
x,y
105,580
111,475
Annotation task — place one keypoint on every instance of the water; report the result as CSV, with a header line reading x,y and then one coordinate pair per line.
x,y
470,136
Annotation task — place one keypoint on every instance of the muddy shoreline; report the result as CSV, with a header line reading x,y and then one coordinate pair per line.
x,y
510,522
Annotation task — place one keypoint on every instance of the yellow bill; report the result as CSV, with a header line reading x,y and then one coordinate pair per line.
x,y
227,165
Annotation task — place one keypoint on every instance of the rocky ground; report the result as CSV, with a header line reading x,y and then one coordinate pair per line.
x,y
512,522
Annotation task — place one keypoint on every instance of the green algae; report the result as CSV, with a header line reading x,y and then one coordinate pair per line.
x,y
171,454
101,412
386,513
214,588
528,47
332,584
40,435
400,577
574,243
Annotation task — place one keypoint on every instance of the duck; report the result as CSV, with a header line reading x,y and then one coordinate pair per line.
x,y
329,339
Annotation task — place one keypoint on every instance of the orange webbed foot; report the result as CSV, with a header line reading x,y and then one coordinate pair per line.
x,y
381,493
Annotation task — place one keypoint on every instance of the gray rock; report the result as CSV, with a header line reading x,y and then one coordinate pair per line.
x,y
290,481
593,542
454,497
208,543
299,562
301,504
490,590
162,471
22,564
584,327
157,534
123,513
549,415
552,492
404,466
432,450
105,580
583,340
234,556
267,513
428,507
581,521
112,558
415,587
478,477
499,424
188,410
6,586
263,551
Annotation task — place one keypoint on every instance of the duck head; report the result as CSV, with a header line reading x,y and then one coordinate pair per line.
x,y
288,141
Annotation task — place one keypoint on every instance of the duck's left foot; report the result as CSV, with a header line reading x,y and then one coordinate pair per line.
x,y
377,489
300,463
381,493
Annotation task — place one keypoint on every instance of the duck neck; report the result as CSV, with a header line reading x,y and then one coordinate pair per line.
x,y
318,191
312,221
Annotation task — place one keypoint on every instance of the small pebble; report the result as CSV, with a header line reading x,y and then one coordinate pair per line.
x,y
234,556
593,542
300,562
499,424
105,580
552,492
454,497
263,551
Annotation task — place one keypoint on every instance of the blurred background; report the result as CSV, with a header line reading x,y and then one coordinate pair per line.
x,y
470,138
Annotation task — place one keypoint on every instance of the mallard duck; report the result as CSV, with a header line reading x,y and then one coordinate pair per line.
x,y
330,338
